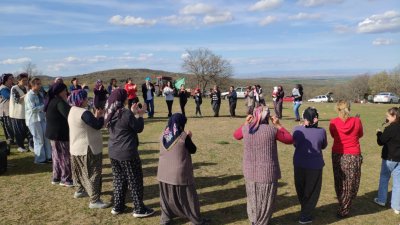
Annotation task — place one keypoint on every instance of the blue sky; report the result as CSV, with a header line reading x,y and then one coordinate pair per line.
x,y
69,37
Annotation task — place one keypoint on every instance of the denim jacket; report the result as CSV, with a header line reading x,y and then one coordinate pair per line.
x,y
34,106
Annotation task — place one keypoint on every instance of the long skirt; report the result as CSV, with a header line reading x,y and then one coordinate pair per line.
x,y
86,172
22,132
61,161
260,201
347,175
179,201
128,174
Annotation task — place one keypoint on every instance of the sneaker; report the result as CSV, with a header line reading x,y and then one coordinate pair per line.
x,y
66,184
22,149
396,211
144,213
99,205
55,181
305,220
80,194
376,200
114,212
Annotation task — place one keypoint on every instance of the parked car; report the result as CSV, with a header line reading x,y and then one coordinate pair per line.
x,y
386,97
321,98
240,91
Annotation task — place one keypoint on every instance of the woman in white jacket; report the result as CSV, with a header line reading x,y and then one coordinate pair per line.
x,y
168,92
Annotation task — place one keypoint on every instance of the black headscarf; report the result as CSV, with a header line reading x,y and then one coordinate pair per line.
x,y
114,104
53,91
176,125
310,114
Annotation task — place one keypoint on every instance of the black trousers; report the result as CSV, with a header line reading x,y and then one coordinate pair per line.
x,y
7,127
232,108
198,111
22,132
216,105
308,184
182,104
169,105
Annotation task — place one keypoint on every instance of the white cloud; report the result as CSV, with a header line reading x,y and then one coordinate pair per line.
x,y
380,23
15,61
312,3
218,18
184,55
72,59
197,9
382,41
177,20
267,20
33,47
265,5
305,16
97,58
131,21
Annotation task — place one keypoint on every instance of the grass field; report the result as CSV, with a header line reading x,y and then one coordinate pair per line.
x,y
27,197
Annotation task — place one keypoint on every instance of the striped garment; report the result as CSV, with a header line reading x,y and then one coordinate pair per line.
x,y
260,201
347,175
61,161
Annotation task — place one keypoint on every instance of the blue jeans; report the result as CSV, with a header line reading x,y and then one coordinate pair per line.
x,y
390,168
41,144
150,107
296,106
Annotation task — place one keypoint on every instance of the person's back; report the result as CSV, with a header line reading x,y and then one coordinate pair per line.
x,y
309,143
57,120
346,135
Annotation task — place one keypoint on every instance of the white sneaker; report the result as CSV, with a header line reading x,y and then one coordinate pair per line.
x,y
396,211
376,200
80,194
114,212
99,205
22,149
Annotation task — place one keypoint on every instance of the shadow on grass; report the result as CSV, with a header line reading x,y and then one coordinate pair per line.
x,y
326,214
25,165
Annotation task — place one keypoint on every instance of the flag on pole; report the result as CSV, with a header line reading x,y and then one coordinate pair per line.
x,y
179,82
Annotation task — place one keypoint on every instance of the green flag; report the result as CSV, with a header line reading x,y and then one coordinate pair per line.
x,y
179,82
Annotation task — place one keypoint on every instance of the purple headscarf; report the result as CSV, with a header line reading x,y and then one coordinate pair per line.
x,y
114,105
54,90
77,97
98,84
176,125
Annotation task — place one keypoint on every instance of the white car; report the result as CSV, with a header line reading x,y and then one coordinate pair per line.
x,y
240,91
386,97
321,98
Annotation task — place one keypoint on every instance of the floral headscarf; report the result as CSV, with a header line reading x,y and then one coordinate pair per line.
x,y
114,105
176,125
261,115
77,97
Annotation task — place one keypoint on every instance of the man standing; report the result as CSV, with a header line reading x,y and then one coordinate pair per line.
x,y
232,96
148,95
216,100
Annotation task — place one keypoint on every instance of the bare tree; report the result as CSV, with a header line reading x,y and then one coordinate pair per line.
x,y
207,67
31,69
358,88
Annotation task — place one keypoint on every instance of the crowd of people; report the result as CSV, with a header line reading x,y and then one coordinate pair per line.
x,y
60,129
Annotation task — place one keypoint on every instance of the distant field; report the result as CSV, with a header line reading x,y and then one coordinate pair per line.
x,y
27,197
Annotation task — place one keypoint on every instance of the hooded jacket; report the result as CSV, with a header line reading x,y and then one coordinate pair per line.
x,y
346,135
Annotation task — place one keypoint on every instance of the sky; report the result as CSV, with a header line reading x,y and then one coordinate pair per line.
x,y
259,38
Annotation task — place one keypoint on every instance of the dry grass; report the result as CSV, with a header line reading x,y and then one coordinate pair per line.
x,y
27,197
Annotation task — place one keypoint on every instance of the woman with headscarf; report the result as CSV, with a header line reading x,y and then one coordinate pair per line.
x,y
17,112
297,94
124,125
178,194
346,132
86,146
100,95
260,162
57,131
7,81
308,140
35,119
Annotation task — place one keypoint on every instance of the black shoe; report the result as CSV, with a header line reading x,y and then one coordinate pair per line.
x,y
339,216
49,161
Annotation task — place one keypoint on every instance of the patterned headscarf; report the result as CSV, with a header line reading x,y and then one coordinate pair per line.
x,y
310,114
98,84
77,97
114,105
176,125
260,116
54,90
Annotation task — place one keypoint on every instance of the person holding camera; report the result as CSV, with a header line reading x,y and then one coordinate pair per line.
x,y
260,162
124,125
346,132
390,140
